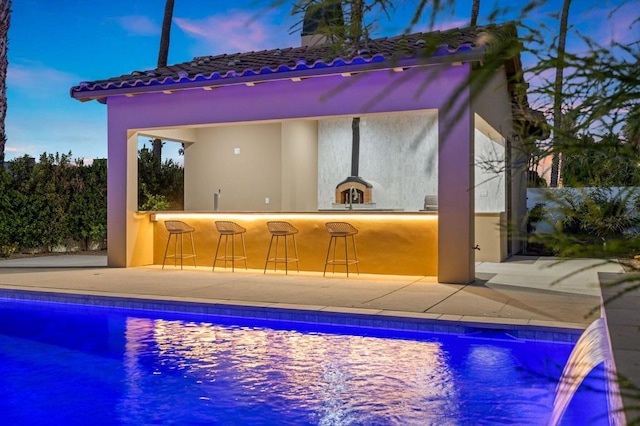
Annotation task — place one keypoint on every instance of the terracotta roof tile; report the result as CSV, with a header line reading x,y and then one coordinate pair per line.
x,y
314,60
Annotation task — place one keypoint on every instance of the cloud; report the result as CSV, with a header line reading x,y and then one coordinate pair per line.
x,y
139,25
233,31
605,26
36,80
622,27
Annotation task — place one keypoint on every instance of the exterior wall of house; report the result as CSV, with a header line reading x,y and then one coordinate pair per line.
x,y
493,104
366,93
127,231
491,237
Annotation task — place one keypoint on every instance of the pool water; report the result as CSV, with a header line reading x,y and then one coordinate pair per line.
x,y
73,364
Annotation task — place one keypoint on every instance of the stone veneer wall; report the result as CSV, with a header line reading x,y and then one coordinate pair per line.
x,y
398,156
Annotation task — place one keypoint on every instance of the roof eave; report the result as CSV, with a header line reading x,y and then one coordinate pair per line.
x,y
201,82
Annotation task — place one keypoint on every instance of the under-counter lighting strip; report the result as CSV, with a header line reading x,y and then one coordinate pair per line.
x,y
250,217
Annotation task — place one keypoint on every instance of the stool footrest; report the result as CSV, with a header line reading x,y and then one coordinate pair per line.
x,y
282,259
229,258
342,262
178,256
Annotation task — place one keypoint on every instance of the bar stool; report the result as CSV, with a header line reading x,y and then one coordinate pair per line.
x,y
341,230
178,228
226,229
277,230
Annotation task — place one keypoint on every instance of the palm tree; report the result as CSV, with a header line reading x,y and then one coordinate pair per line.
x,y
163,56
5,19
475,11
165,37
557,90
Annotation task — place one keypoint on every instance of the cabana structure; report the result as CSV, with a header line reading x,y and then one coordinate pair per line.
x,y
274,133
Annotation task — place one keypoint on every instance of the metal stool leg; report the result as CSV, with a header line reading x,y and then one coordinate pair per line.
x,y
244,252
346,256
193,250
275,259
326,261
175,250
166,249
233,253
286,257
215,258
355,253
266,262
295,248
181,249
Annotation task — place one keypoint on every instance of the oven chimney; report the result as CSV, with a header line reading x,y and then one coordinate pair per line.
x,y
355,145
354,190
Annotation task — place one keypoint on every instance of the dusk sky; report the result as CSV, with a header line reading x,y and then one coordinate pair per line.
x,y
56,44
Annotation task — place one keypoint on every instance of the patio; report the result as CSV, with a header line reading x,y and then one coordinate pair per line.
x,y
515,294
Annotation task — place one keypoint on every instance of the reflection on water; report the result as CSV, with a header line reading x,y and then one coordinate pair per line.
x,y
338,379
328,379
62,364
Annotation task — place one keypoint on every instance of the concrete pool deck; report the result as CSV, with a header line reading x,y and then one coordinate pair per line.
x,y
526,293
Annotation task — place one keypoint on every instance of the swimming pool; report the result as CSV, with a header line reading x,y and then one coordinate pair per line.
x,y
72,364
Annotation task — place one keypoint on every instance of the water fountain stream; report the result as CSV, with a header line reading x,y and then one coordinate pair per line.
x,y
591,349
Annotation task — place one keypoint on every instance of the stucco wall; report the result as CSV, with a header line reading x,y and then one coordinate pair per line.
x,y
275,169
489,174
299,166
493,104
245,178
398,155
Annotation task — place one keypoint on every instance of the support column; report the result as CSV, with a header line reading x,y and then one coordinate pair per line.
x,y
117,159
129,238
299,183
456,207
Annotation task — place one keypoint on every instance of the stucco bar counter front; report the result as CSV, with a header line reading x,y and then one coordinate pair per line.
x,y
395,243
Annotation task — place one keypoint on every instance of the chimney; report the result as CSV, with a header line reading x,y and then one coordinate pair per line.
x,y
322,20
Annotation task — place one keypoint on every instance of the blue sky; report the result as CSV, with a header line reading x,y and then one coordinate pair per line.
x,y
56,44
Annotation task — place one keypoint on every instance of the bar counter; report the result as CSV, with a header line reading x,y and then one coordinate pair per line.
x,y
395,243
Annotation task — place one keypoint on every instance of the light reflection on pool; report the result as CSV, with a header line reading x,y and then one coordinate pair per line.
x,y
65,363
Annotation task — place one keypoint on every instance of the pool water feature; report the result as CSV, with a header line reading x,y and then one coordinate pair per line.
x,y
73,364
591,350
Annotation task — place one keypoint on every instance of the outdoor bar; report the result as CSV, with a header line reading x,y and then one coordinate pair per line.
x,y
297,135
387,242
